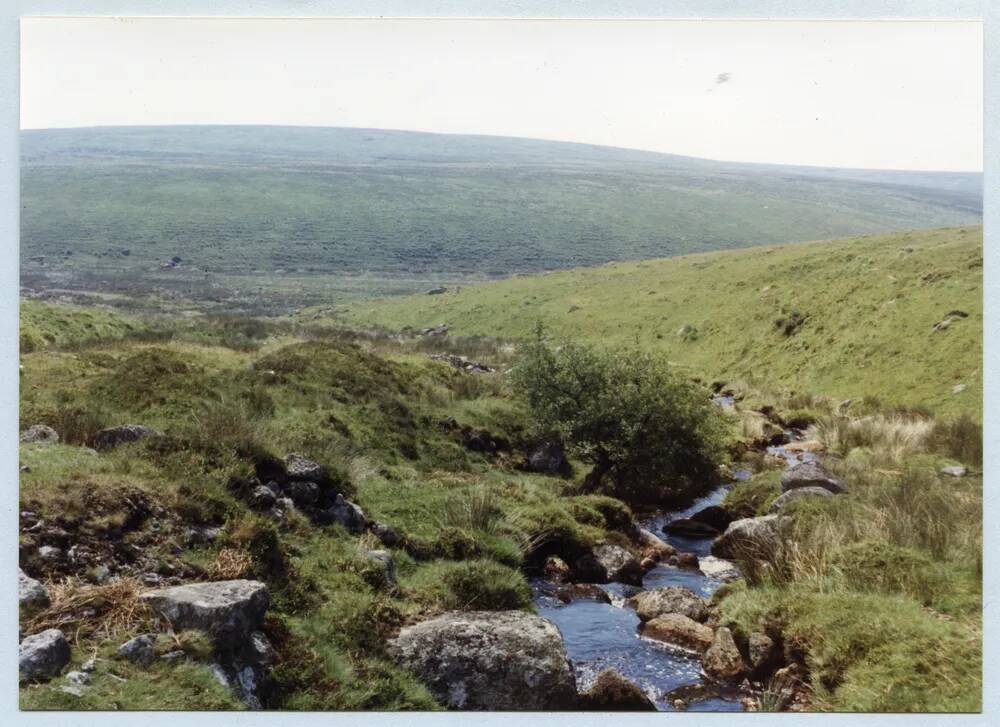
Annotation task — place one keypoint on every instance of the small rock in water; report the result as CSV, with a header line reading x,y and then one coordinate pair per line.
x,y
680,704
678,630
611,692
582,592
722,660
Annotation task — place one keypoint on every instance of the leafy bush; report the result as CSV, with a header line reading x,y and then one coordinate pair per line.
x,y
649,435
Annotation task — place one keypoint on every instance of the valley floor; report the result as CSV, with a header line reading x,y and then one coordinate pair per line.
x,y
372,488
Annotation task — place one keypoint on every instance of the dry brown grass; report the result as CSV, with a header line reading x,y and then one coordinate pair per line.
x,y
230,564
94,611
892,439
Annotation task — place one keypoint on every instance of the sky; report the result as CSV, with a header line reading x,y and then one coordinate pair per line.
x,y
882,95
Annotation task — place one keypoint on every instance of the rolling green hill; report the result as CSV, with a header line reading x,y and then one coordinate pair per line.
x,y
846,318
319,212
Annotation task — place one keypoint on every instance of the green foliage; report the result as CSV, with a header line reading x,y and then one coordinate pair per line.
x,y
471,585
649,434
753,497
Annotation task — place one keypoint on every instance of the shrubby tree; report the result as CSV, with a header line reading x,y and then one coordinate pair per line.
x,y
649,434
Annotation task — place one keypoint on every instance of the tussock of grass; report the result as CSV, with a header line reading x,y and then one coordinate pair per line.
x,y
476,585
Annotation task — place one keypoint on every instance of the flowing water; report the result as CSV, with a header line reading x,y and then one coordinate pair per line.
x,y
599,636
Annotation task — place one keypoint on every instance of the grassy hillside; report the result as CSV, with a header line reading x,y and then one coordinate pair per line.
x,y
847,318
351,212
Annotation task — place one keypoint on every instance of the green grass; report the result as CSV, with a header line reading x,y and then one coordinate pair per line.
x,y
272,218
867,308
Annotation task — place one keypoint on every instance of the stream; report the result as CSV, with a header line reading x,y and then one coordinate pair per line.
x,y
600,636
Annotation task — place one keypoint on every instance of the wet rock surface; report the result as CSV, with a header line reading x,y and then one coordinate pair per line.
x,y
611,692
671,599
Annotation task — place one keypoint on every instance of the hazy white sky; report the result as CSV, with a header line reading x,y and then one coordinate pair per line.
x,y
903,95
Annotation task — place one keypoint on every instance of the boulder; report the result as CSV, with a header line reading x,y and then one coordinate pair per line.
x,y
42,655
31,594
386,534
437,291
652,546
140,650
114,436
752,537
346,513
611,692
262,498
300,468
723,660
954,471
688,528
302,493
811,474
607,563
39,434
555,569
716,516
678,630
489,660
224,609
687,561
718,568
786,686
670,599
762,651
548,458
582,592
801,492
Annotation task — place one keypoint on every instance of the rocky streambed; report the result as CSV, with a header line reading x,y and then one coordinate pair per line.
x,y
600,636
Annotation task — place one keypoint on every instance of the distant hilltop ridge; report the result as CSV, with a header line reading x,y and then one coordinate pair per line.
x,y
249,200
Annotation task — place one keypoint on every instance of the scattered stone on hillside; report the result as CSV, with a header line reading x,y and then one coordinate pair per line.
x,y
678,630
843,406
750,538
78,678
715,515
956,314
954,471
90,664
31,594
688,528
346,513
201,535
114,436
262,498
723,660
718,568
652,546
386,534
39,434
555,568
441,330
611,692
607,563
669,599
300,468
462,363
489,660
140,650
942,325
42,655
50,552
437,291
582,592
801,492
957,389
811,474
386,565
223,609
762,650
302,493
547,458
